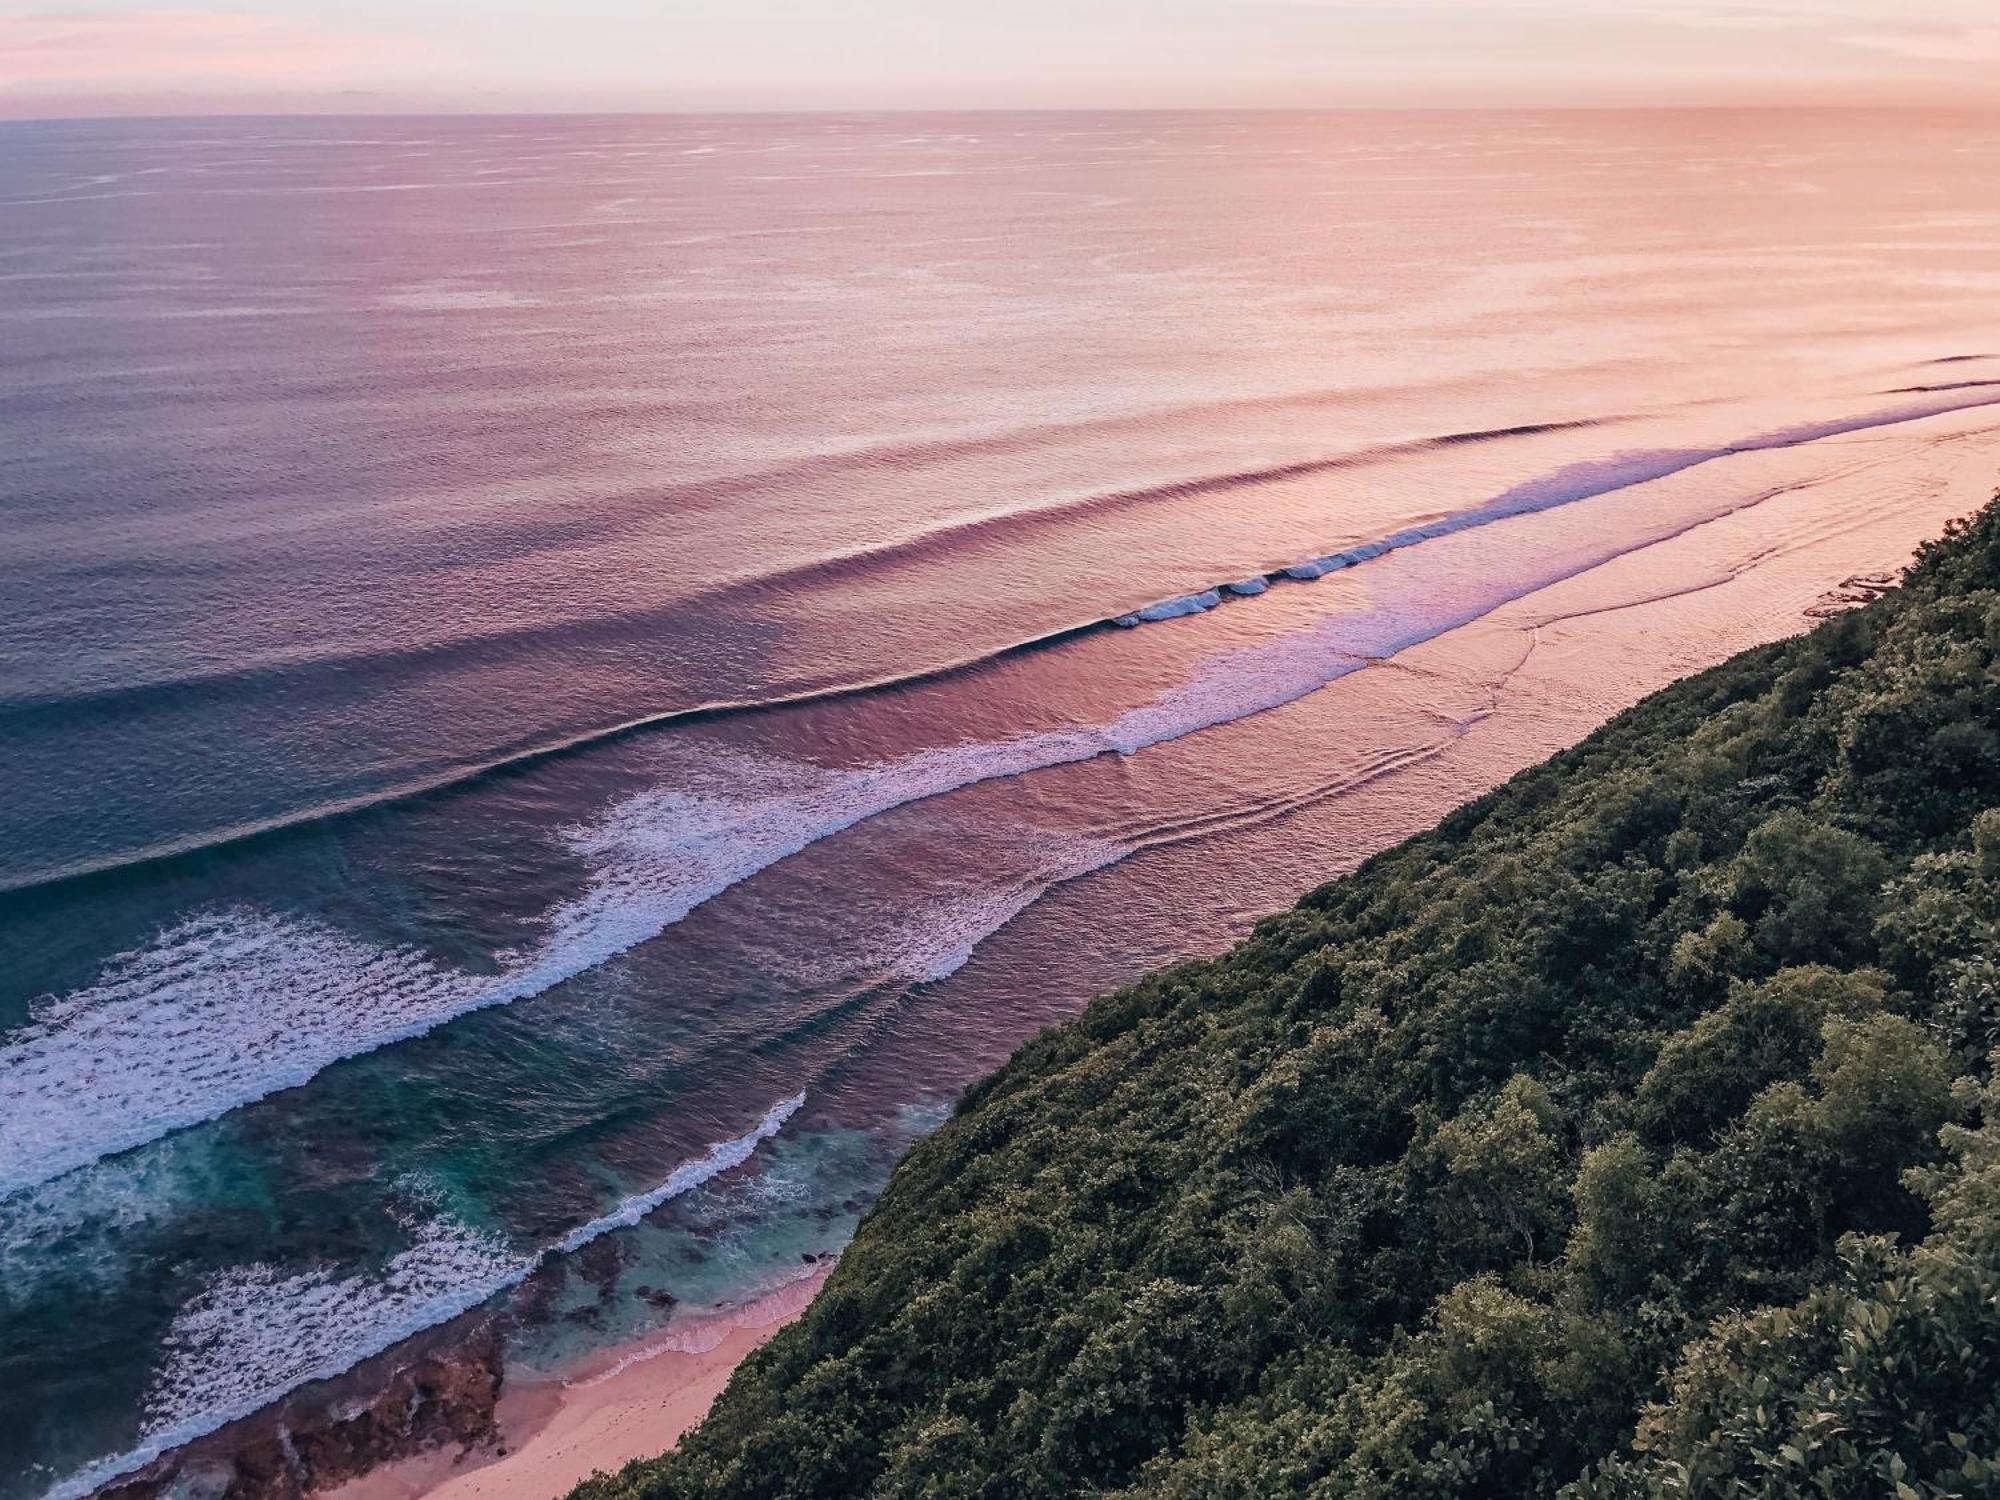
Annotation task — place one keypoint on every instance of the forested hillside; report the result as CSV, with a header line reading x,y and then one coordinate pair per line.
x,y
1633,1133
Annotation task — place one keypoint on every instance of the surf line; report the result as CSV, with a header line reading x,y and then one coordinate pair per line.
x,y
500,1273
1577,482
647,885
1591,479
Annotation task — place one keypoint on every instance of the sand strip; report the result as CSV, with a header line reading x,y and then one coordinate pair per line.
x,y
627,1403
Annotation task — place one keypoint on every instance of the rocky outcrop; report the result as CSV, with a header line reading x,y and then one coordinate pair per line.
x,y
1850,593
436,1393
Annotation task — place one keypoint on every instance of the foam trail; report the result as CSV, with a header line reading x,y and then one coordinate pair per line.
x,y
1578,482
719,1158
1171,609
234,1006
86,1229
933,953
938,937
224,1008
256,1334
1565,486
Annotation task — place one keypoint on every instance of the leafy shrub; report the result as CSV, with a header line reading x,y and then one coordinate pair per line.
x,y
1633,1133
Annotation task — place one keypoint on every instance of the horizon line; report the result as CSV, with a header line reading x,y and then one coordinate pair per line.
x,y
864,112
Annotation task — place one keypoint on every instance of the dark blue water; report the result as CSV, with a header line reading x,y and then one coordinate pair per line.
x,y
560,679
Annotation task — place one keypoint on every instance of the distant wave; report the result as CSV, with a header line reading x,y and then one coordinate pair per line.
x,y
1950,385
121,701
1581,481
231,1006
256,1334
911,452
1575,482
948,536
507,758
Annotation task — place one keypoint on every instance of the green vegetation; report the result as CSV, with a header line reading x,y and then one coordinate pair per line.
x,y
1634,1133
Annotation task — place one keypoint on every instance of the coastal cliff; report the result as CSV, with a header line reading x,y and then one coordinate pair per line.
x,y
1633,1133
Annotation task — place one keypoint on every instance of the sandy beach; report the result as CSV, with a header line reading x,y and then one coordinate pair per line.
x,y
571,687
628,1403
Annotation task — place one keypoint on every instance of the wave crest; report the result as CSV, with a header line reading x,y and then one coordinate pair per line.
x,y
255,1334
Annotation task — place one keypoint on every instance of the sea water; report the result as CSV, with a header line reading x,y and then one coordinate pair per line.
x,y
561,689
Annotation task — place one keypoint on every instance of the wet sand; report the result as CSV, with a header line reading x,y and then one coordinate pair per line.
x,y
1511,688
624,1404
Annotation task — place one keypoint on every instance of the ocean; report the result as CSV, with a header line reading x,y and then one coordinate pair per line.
x,y
567,683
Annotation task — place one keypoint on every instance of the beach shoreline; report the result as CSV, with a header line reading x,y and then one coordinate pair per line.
x,y
623,1403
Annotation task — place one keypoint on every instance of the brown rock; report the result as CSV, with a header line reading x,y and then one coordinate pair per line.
x,y
440,1391
266,1470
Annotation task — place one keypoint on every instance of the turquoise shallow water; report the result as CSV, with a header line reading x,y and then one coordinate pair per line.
x,y
391,467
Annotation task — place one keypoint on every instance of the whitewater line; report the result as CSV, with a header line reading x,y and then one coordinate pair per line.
x,y
1591,479
464,773
1278,807
230,1007
936,537
225,1337
1567,485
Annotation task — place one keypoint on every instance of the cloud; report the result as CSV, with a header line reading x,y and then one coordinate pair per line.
x,y
1919,31
1873,22
1971,44
863,53
110,50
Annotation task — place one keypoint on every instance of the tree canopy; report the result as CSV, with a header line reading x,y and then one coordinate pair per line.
x,y
1633,1133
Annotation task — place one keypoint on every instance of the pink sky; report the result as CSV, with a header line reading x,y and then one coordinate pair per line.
x,y
700,54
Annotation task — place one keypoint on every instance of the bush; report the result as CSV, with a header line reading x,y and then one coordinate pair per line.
x,y
1630,1134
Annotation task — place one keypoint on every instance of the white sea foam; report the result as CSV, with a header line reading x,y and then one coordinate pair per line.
x,y
232,1006
719,1158
85,1227
1578,481
256,1333
939,948
927,940
222,1009
1172,609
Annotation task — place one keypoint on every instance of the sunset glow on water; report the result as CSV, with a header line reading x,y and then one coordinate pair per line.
x,y
567,683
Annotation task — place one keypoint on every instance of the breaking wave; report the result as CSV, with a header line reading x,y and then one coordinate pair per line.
x,y
231,1006
257,1333
1582,481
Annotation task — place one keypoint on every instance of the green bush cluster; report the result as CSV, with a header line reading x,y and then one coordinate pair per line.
x,y
1634,1133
